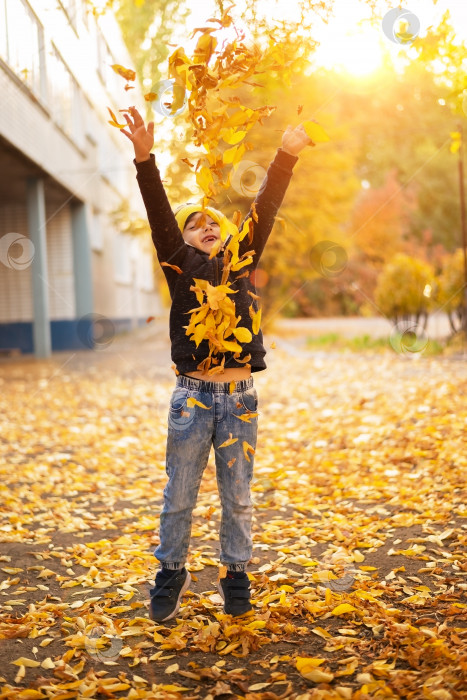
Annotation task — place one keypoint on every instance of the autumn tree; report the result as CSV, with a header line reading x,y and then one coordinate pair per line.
x,y
403,289
449,289
393,135
380,220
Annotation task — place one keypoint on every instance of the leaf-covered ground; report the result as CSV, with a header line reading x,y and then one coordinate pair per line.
x,y
360,529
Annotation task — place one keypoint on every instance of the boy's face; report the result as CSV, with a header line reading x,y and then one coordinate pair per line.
x,y
201,231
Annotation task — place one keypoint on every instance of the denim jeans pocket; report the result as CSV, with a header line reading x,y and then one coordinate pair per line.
x,y
178,399
249,399
180,416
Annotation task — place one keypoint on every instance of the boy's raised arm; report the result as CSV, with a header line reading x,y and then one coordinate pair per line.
x,y
165,232
272,190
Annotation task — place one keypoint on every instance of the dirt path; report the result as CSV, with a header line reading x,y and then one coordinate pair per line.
x,y
359,496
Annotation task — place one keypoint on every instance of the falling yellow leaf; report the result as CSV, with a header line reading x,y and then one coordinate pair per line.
x,y
242,334
173,267
114,121
191,401
256,319
247,449
126,73
246,417
315,132
228,442
215,249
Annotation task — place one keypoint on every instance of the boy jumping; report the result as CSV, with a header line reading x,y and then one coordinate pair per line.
x,y
184,239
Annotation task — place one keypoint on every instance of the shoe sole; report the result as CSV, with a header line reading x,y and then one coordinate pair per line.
x,y
177,605
221,592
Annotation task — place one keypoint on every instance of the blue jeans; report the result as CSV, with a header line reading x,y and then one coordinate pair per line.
x,y
191,432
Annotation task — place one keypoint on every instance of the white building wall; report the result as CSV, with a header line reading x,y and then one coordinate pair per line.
x,y
15,284
90,159
60,265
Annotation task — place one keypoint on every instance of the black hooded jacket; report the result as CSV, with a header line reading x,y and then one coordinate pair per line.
x,y
171,247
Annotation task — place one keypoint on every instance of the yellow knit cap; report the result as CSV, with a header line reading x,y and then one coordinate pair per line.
x,y
185,210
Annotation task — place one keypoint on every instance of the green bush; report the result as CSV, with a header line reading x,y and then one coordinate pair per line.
x,y
404,287
449,292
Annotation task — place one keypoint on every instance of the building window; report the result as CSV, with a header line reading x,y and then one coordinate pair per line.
x,y
74,11
122,258
96,235
105,60
22,44
65,97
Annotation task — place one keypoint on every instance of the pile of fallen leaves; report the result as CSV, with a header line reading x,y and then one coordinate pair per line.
x,y
359,567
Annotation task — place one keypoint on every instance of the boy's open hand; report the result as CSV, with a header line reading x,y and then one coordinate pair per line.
x,y
293,140
142,138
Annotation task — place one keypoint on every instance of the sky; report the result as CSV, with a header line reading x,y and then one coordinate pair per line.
x,y
346,41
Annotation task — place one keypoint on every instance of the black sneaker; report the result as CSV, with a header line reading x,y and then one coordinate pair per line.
x,y
166,595
236,595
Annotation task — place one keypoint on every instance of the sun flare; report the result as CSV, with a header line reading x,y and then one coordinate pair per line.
x,y
359,52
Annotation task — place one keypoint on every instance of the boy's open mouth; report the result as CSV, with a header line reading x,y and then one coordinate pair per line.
x,y
209,238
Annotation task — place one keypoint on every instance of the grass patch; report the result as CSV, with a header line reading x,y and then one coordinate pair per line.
x,y
403,344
